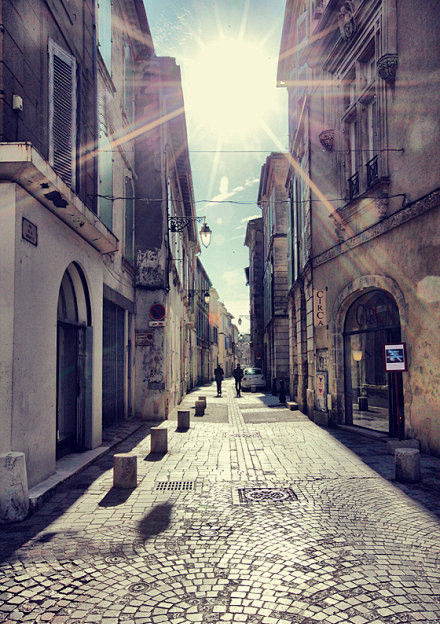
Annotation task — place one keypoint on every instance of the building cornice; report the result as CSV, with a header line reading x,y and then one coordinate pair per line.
x,y
407,213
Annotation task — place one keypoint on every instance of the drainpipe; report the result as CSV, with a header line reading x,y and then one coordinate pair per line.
x,y
95,113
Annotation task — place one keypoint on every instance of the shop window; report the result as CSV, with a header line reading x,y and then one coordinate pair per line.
x,y
373,396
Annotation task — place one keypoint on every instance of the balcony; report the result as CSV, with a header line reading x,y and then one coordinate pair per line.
x,y
353,185
372,171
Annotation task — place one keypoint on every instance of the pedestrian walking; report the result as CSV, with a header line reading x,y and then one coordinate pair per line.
x,y
219,374
238,376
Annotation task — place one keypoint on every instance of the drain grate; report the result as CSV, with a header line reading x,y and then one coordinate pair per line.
x,y
166,486
266,495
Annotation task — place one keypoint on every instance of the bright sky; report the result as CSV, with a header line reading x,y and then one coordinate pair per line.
x,y
228,53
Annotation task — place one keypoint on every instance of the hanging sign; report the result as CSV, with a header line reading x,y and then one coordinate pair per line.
x,y
320,307
395,357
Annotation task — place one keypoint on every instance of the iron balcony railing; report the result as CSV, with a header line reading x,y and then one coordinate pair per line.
x,y
372,171
353,185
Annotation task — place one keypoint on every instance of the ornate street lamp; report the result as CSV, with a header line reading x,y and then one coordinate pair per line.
x,y
177,224
206,295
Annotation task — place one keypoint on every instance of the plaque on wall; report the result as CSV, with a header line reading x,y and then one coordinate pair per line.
x,y
144,338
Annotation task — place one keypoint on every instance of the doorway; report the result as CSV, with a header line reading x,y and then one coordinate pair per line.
x,y
373,397
73,363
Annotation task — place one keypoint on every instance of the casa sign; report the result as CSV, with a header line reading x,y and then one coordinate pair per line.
x,y
320,307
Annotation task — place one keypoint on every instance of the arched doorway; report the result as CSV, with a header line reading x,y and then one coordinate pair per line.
x,y
373,398
73,362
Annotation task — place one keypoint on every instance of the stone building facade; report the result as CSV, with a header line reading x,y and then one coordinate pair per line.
x,y
254,240
364,211
96,319
67,298
272,198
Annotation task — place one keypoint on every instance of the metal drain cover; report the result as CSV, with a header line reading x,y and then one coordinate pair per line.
x,y
266,495
164,486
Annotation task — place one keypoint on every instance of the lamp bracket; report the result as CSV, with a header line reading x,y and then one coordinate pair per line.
x,y
177,224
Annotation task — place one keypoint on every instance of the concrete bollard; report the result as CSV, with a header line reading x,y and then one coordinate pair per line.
x,y
159,440
200,408
253,388
124,471
14,498
203,398
407,465
183,420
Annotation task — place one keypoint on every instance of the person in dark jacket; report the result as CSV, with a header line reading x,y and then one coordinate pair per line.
x,y
219,374
238,376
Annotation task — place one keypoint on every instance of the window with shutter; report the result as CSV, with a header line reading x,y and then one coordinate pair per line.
x,y
62,113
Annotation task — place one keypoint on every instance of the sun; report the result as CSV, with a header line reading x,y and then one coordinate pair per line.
x,y
230,86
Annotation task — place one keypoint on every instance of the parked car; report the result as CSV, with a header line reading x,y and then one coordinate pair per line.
x,y
253,377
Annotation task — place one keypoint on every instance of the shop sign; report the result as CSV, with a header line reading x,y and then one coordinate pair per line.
x,y
321,390
320,307
395,357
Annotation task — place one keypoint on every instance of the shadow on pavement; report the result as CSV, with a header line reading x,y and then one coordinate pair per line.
x,y
116,496
154,457
156,521
374,453
15,535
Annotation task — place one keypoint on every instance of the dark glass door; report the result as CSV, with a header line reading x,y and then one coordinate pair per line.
x,y
373,397
68,388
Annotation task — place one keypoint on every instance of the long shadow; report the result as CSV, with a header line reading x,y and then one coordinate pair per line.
x,y
116,496
373,452
154,457
155,522
13,536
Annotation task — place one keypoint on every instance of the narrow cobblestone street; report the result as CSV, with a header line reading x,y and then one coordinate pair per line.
x,y
255,515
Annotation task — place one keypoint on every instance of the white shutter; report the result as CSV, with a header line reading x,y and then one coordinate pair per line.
x,y
62,113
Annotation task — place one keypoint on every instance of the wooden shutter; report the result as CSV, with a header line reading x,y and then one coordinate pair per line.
x,y
62,113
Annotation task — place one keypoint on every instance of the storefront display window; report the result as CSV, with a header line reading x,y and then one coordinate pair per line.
x,y
372,321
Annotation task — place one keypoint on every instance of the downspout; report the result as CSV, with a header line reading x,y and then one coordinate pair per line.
x,y
95,112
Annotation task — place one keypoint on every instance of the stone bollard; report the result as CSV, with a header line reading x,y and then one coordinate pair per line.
x,y
200,408
159,440
203,398
183,420
14,498
407,465
124,471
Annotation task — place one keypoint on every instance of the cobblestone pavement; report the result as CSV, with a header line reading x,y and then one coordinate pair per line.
x,y
254,515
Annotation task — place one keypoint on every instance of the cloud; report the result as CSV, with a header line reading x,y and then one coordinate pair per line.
x,y
224,194
233,278
224,185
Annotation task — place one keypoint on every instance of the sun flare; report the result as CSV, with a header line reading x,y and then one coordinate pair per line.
x,y
229,86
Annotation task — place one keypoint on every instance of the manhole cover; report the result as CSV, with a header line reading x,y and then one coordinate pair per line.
x,y
114,559
174,485
266,495
245,435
